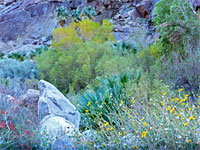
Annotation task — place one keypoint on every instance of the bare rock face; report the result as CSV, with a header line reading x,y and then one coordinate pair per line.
x,y
25,21
53,102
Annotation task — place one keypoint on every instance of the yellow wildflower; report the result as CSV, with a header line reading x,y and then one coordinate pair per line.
x,y
103,144
172,110
196,131
111,128
190,109
189,141
180,115
86,111
185,124
144,134
106,124
86,142
88,104
191,118
180,90
135,146
145,124
120,133
164,93
91,143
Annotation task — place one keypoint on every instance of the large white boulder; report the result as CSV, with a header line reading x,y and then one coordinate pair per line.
x,y
55,129
53,102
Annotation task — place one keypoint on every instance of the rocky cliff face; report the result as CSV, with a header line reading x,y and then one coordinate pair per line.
x,y
27,24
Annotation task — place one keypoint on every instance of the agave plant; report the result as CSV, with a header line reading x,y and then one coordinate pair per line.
x,y
75,15
124,48
62,15
98,100
89,12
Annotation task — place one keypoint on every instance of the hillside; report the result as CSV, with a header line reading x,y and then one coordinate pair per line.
x,y
99,74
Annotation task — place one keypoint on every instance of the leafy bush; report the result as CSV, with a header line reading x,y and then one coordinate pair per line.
x,y
18,56
177,24
85,30
77,66
75,54
1,55
14,76
11,68
37,52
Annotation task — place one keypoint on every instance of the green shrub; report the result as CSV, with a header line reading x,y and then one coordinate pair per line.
x,y
18,56
75,54
37,52
14,76
75,67
124,48
178,24
1,55
14,69
89,12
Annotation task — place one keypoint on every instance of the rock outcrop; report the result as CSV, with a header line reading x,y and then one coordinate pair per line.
x,y
28,24
53,102
58,131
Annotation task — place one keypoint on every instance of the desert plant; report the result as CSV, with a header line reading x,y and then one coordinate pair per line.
x,y
14,69
37,52
165,121
89,12
18,125
18,56
62,13
177,24
124,48
100,99
75,15
76,66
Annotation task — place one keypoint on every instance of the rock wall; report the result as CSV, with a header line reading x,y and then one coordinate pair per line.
x,y
28,24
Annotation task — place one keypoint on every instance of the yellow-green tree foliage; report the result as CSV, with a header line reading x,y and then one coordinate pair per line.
x,y
79,53
82,31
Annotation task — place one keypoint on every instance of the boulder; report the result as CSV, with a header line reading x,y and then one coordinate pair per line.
x,y
57,131
53,102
